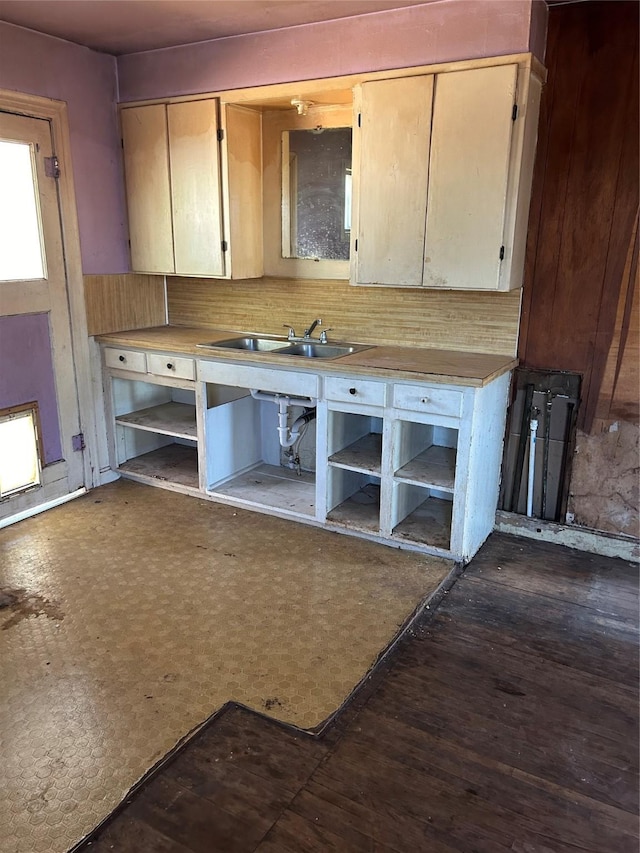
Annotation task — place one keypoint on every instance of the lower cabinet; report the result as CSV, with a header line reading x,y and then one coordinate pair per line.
x,y
392,473
354,469
413,465
254,450
154,412
156,432
423,482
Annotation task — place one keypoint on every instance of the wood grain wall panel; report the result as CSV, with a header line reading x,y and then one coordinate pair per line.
x,y
585,192
618,396
119,302
470,322
624,224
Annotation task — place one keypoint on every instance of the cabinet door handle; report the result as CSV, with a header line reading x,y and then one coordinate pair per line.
x,y
121,358
353,391
169,366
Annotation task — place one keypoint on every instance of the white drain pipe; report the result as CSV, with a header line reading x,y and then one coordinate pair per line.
x,y
533,427
287,436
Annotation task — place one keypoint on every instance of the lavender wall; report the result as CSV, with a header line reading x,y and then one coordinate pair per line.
x,y
26,374
41,65
88,81
417,35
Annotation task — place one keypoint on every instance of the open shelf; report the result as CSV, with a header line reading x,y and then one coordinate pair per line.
x,y
421,515
364,454
173,463
272,486
355,499
435,466
428,524
173,419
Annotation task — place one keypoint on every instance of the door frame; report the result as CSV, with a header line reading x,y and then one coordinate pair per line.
x,y
56,113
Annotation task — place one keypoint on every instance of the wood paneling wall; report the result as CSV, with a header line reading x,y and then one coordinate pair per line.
x,y
119,302
472,322
621,379
585,195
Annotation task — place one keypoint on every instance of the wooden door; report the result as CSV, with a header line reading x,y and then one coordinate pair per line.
x,y
391,173
37,366
469,169
146,165
196,201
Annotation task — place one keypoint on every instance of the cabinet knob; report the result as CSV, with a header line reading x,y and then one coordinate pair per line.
x,y
424,400
353,391
169,366
121,358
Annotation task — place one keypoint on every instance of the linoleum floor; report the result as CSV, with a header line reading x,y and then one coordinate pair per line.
x,y
130,615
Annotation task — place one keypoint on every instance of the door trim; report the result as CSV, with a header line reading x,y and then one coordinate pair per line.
x,y
35,106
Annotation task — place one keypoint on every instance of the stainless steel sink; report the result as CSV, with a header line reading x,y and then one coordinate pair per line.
x,y
248,343
314,349
282,346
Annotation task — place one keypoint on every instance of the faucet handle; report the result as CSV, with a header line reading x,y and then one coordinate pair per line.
x,y
323,335
292,332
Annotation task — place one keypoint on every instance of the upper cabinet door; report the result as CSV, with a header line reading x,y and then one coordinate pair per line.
x,y
468,181
391,172
146,164
195,188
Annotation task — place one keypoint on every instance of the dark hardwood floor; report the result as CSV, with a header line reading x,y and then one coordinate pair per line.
x,y
507,720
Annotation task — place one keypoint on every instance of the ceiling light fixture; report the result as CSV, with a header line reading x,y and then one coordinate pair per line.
x,y
301,106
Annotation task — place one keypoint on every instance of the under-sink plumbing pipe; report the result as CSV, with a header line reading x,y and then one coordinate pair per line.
x,y
288,435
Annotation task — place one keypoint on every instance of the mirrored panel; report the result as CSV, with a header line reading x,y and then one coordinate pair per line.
x,y
316,193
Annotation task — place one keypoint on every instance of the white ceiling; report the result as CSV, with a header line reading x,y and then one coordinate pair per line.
x,y
126,26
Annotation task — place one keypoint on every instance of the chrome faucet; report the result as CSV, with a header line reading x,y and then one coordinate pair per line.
x,y
291,336
309,331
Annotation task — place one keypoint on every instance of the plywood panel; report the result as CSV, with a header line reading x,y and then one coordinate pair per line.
x,y
118,302
146,166
195,187
391,180
470,146
449,320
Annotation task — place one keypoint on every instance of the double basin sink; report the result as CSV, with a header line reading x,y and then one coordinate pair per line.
x,y
283,346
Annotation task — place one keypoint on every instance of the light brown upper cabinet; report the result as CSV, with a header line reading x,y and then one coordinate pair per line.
x,y
194,188
442,178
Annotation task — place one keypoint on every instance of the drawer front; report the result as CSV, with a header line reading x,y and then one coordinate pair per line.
x,y
259,378
429,399
126,359
354,391
170,365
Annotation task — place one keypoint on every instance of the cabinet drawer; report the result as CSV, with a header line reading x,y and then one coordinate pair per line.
x,y
259,378
170,365
126,359
427,398
354,391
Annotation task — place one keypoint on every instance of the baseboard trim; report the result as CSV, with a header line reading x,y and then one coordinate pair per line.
x,y
36,510
582,538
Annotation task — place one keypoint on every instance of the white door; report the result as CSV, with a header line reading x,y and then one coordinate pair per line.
x,y
36,359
